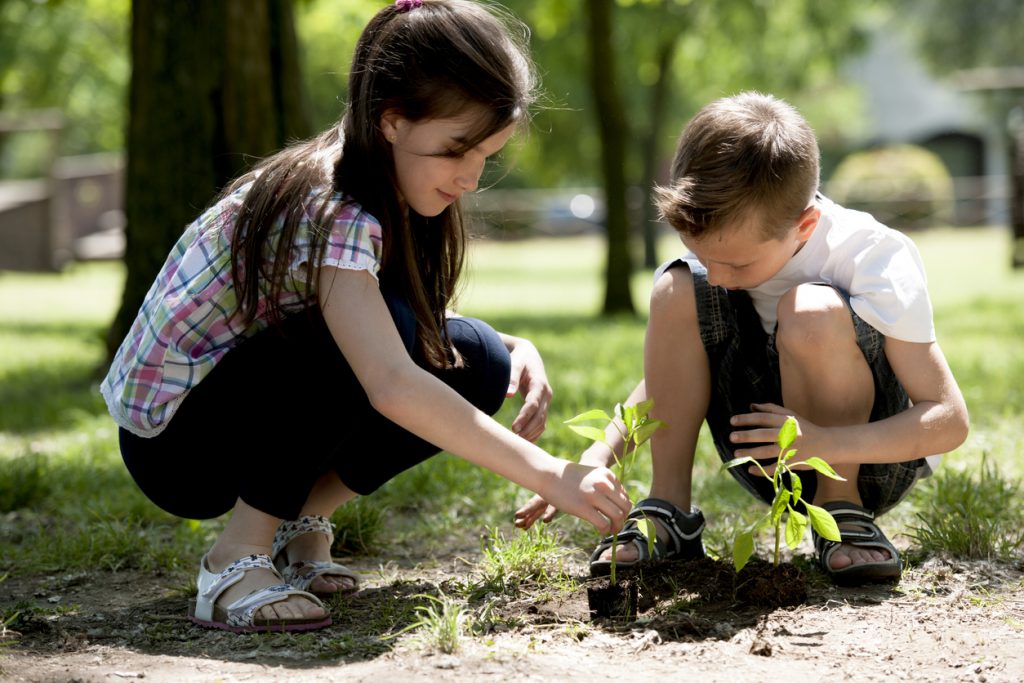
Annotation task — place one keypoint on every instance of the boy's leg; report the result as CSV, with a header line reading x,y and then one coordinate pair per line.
x,y
677,376
678,379
823,372
849,384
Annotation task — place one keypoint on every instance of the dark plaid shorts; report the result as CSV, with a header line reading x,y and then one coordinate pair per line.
x,y
744,367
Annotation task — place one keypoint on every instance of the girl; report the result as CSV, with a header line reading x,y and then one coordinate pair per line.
x,y
295,349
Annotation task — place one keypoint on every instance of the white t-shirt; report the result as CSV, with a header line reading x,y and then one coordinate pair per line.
x,y
880,268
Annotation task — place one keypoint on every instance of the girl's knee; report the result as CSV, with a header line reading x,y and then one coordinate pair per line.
x,y
485,376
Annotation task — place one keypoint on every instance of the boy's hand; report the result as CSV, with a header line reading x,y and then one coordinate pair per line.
x,y
762,428
534,509
529,379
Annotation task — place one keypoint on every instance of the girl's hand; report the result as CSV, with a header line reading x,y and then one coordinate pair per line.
x,y
534,509
529,379
597,455
762,428
593,494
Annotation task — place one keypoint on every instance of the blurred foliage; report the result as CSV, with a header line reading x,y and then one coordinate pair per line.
x,y
962,34
904,186
71,55
954,35
789,47
75,56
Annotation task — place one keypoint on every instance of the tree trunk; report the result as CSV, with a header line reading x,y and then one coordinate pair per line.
x,y
612,127
659,101
1015,132
215,84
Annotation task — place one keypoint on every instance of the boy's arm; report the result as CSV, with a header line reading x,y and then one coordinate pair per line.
x,y
937,422
597,455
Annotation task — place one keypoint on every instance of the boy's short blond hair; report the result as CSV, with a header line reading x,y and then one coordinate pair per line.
x,y
751,158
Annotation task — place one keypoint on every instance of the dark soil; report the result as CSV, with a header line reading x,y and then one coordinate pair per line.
x,y
758,585
955,621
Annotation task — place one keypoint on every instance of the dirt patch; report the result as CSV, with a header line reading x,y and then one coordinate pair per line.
x,y
946,620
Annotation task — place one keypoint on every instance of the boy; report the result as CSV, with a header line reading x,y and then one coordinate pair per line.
x,y
787,304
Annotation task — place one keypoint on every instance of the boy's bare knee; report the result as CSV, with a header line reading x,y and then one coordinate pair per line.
x,y
810,318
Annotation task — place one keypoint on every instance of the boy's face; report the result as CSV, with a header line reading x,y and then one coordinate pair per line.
x,y
739,256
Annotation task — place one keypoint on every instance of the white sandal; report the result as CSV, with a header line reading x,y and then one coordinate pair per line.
x,y
301,574
239,616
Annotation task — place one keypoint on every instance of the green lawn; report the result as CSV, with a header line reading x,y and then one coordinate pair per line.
x,y
58,448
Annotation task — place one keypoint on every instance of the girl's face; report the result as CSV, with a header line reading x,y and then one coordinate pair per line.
x,y
432,166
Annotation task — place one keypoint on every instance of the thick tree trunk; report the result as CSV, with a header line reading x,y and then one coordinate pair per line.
x,y
215,84
612,127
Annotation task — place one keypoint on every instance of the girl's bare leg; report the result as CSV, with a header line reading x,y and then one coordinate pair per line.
x,y
251,532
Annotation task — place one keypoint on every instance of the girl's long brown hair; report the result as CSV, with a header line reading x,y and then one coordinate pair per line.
x,y
439,60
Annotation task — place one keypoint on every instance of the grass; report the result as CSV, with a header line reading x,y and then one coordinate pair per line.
x,y
61,474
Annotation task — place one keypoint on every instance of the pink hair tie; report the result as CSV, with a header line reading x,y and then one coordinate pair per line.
x,y
406,5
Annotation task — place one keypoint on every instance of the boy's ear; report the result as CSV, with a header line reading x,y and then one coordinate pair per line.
x,y
807,222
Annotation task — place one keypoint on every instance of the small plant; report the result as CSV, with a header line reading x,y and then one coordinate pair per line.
x,y
636,428
441,622
785,501
528,556
358,526
972,517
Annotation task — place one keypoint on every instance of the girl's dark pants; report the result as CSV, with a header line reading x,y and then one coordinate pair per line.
x,y
284,408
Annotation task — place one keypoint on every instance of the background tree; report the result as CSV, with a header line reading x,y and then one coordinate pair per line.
x,y
611,122
669,58
983,41
213,85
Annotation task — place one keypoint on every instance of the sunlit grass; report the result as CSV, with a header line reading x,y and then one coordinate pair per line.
x,y
59,461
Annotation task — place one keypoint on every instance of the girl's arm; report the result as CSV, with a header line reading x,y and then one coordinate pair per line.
x,y
936,423
411,397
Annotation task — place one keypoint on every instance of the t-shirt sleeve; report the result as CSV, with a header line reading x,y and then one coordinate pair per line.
x,y
889,289
354,242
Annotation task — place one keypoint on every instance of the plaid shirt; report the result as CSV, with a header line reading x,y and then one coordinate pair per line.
x,y
187,323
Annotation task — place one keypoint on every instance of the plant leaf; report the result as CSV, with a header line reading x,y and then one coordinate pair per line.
x,y
592,433
779,506
822,467
595,414
735,462
823,522
787,433
789,454
645,430
742,549
796,525
647,528
797,486
643,408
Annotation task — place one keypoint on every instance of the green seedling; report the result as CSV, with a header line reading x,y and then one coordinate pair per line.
x,y
636,427
785,500
441,622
